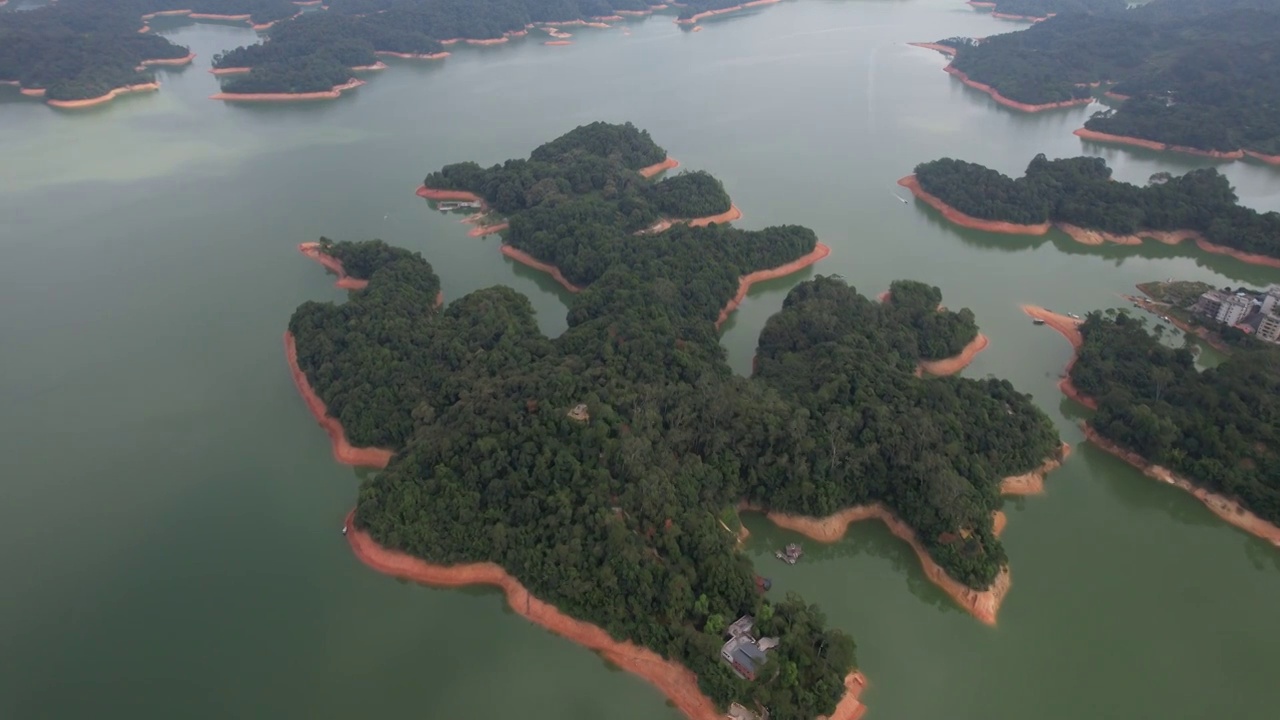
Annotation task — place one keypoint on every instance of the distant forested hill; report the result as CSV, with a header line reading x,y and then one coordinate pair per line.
x,y
1200,74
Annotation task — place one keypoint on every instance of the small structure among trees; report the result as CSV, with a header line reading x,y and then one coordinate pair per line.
x,y
579,413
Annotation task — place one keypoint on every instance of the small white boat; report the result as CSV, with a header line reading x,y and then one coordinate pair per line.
x,y
344,529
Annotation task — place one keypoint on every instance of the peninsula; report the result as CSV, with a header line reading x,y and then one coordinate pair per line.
x,y
1079,196
1207,432
1187,76
585,474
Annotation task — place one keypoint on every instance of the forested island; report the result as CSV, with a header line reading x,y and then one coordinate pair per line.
x,y
596,469
1210,432
1080,197
1188,75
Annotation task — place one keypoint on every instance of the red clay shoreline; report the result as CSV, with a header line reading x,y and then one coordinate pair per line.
x,y
1007,102
944,49
1229,510
333,94
108,97
909,182
343,451
958,362
982,604
673,680
1084,236
745,282
1108,138
345,281
711,13
649,171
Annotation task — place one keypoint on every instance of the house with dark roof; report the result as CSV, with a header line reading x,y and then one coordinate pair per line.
x,y
743,655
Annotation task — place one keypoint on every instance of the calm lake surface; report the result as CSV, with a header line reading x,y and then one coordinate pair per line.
x,y
171,539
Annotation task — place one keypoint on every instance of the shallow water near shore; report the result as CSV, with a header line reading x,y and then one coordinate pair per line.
x,y
172,539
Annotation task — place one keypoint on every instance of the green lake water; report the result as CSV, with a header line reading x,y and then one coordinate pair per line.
x,y
171,539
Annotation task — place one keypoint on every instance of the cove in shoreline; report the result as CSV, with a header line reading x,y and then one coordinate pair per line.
x,y
745,282
982,604
677,683
1069,328
333,94
996,226
1007,102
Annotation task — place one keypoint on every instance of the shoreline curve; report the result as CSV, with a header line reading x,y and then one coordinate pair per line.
x,y
693,20
1069,328
819,251
649,171
1226,509
343,451
1009,102
1108,138
333,94
108,97
957,362
981,604
677,683
955,216
344,281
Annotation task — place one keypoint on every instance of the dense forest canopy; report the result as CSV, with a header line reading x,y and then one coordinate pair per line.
x,y
1199,74
79,49
615,519
303,52
1080,191
1219,428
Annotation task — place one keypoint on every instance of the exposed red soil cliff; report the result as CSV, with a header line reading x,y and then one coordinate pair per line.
x,y
969,221
1024,107
733,213
343,451
956,363
745,282
1223,507
668,164
111,95
676,682
710,13
333,94
230,70
558,42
